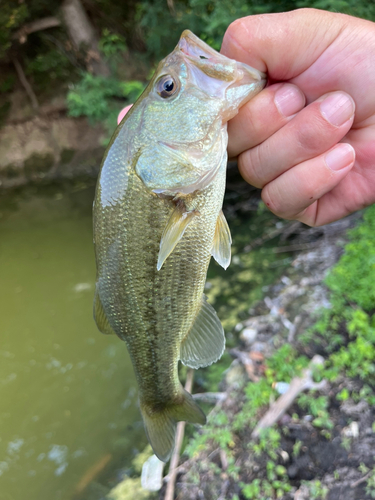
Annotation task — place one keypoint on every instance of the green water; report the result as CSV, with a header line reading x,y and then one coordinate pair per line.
x,y
67,393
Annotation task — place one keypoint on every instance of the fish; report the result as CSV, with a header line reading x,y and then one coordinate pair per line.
x,y
158,219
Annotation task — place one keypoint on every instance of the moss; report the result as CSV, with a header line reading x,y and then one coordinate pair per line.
x,y
129,489
141,458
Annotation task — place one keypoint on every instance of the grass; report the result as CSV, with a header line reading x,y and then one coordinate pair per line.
x,y
346,331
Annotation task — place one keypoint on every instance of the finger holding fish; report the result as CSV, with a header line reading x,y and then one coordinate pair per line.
x,y
310,133
264,115
304,192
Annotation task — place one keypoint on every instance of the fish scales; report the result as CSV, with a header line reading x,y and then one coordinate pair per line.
x,y
145,314
158,220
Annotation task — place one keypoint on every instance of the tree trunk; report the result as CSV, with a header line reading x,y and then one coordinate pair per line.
x,y
82,34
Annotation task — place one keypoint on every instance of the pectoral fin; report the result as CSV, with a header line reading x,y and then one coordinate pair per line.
x,y
100,317
205,341
222,242
173,232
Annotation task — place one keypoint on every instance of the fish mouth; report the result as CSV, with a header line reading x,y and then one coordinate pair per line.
x,y
218,76
208,60
193,46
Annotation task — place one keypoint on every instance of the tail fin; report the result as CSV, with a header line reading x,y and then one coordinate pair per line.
x,y
160,425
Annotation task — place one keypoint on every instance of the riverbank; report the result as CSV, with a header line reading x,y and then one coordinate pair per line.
x,y
285,426
266,439
48,147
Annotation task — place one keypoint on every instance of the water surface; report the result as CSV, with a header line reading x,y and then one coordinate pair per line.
x,y
67,392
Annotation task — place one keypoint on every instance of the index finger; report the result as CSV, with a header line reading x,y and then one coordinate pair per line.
x,y
274,43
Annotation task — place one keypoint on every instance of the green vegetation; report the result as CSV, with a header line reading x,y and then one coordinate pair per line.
x,y
95,97
350,322
369,476
316,490
348,327
130,33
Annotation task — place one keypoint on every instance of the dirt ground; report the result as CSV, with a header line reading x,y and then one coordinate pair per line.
x,y
334,465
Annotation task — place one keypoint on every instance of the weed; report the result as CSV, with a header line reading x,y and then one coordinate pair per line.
x,y
346,443
297,448
370,479
316,490
269,442
318,408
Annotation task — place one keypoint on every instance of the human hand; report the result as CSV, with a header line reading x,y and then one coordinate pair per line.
x,y
316,163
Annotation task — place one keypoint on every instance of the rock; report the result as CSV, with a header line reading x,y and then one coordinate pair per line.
x,y
235,376
48,147
152,474
351,431
248,335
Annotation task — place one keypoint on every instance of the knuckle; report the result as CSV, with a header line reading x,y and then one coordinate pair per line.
x,y
274,202
234,30
250,165
312,135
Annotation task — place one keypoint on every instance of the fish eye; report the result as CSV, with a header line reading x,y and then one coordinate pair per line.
x,y
166,86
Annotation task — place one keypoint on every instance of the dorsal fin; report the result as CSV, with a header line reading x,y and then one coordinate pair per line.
x,y
100,317
205,342
174,230
222,242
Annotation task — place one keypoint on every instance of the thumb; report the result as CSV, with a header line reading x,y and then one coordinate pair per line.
x,y
283,45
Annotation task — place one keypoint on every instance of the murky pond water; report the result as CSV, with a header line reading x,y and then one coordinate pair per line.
x,y
68,398
67,393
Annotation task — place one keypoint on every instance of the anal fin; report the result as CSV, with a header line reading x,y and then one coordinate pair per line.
x,y
100,317
205,342
174,230
222,242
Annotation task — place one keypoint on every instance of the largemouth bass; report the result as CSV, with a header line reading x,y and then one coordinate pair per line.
x,y
158,220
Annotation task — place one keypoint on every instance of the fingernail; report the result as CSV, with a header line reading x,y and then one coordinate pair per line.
x,y
340,157
337,108
289,99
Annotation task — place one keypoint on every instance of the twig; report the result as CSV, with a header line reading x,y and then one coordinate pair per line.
x,y
361,480
209,397
271,234
169,493
171,7
297,385
296,247
26,85
38,25
224,490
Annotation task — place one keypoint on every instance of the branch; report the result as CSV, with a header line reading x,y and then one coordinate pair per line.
x,y
169,493
26,85
297,385
297,247
209,397
38,25
290,227
361,480
171,7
